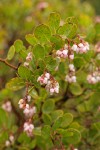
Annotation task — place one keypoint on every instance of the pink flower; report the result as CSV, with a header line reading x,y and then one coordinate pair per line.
x,y
71,57
70,79
28,128
81,47
7,106
29,57
51,84
71,67
21,103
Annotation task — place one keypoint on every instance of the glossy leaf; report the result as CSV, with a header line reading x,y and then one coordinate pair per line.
x,y
11,53
15,84
31,39
48,106
42,33
54,21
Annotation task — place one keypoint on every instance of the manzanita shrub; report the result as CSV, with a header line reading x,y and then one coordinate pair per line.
x,y
55,87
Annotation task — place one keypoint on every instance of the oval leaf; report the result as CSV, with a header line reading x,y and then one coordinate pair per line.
x,y
11,52
43,33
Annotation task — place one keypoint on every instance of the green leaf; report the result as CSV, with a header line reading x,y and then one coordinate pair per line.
x,y
51,63
11,52
3,119
97,126
15,84
3,137
57,42
81,76
57,123
48,106
47,48
66,120
79,62
71,136
46,119
32,144
42,33
72,20
23,138
63,121
56,114
18,45
41,64
76,89
24,73
23,54
91,33
88,56
68,30
37,131
38,52
46,131
30,38
81,108
76,125
5,93
54,21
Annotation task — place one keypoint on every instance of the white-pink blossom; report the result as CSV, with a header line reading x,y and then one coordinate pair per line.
x,y
43,79
26,64
28,128
62,53
7,106
11,138
52,87
28,98
70,78
74,47
29,111
7,143
71,67
10,141
71,56
81,47
21,103
42,5
29,57
93,78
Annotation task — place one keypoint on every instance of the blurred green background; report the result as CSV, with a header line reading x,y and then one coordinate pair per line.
x,y
19,17
95,4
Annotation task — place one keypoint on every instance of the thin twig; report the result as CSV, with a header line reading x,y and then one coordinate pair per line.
x,y
5,61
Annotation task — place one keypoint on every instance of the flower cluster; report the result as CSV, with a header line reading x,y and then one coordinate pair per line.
x,y
28,59
65,53
94,77
7,106
51,85
28,128
10,141
71,78
44,78
81,48
28,111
